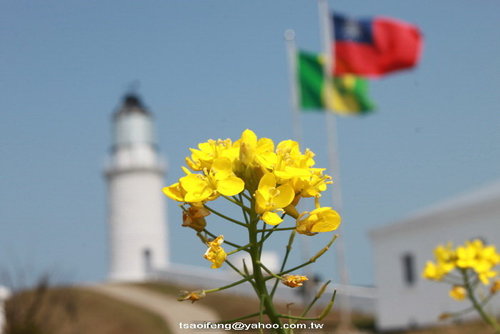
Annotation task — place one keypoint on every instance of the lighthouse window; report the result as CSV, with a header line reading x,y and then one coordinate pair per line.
x,y
408,261
147,257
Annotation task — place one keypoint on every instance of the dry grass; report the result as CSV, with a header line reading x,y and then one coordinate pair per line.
x,y
230,306
76,311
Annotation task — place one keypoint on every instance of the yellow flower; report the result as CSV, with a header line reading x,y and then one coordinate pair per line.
x,y
194,188
446,258
319,220
270,198
484,276
215,253
197,188
430,271
288,151
194,217
313,184
223,179
466,256
193,296
296,168
473,255
291,163
481,259
445,254
433,271
175,192
293,281
458,292
253,150
209,151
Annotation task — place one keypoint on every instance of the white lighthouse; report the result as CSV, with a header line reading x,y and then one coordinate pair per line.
x,y
137,210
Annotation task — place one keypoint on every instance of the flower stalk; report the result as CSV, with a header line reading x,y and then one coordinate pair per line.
x,y
266,182
479,307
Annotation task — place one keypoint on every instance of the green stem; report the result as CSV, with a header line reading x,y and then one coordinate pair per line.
x,y
241,205
203,239
316,298
235,269
285,259
311,260
323,314
275,227
267,270
246,196
239,249
262,234
245,215
296,317
264,238
260,281
470,309
225,217
470,293
228,286
279,229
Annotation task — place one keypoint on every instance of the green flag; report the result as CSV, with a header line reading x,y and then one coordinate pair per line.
x,y
347,95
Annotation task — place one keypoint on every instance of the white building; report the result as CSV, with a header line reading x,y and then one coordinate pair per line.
x,y
136,206
401,250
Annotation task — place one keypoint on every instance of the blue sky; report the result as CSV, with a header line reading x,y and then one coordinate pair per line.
x,y
210,69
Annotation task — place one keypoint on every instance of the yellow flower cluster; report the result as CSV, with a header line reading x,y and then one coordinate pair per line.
x,y
275,176
473,255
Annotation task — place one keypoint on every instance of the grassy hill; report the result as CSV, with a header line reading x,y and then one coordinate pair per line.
x,y
69,310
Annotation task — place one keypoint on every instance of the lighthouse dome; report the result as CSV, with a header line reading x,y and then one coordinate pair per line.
x,y
133,124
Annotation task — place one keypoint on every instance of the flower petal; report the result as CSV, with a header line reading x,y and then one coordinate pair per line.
x,y
266,182
230,186
271,218
328,221
175,192
285,197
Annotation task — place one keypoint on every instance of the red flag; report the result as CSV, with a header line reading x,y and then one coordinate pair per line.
x,y
374,47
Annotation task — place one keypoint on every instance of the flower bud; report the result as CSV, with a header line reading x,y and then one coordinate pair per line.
x,y
495,287
193,296
293,281
458,292
194,217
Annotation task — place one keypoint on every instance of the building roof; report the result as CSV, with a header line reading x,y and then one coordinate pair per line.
x,y
132,103
477,200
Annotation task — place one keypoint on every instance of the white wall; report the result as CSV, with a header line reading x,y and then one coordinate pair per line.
x,y
4,295
136,222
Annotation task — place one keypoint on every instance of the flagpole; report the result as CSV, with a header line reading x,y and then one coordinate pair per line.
x,y
291,48
328,42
